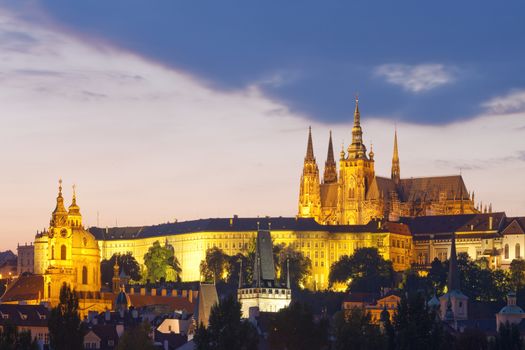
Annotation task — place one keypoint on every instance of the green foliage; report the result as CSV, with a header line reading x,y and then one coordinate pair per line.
x,y
226,330
366,268
161,263
136,338
294,328
517,274
300,266
126,262
11,339
481,283
65,331
215,266
438,275
507,338
417,327
356,331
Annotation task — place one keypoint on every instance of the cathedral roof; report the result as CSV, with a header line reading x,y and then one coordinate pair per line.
x,y
429,188
329,192
444,225
380,188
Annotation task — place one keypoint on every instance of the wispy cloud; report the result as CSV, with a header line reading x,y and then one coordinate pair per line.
x,y
512,102
418,78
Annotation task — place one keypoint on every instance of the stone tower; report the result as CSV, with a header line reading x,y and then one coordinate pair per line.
x,y
356,171
309,193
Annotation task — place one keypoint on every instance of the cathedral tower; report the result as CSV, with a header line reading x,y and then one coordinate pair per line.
x,y
356,174
309,193
330,171
396,174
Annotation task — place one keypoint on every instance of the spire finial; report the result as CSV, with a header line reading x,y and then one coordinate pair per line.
x,y
310,146
60,187
453,277
395,174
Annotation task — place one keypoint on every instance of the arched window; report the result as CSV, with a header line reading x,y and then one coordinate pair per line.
x,y
49,290
84,275
518,253
63,255
52,252
506,251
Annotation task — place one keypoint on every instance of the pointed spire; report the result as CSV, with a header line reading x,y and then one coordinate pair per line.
x,y
240,274
59,215
310,147
330,170
453,277
74,209
357,149
395,161
288,273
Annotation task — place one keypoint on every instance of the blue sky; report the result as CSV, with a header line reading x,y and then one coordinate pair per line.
x,y
169,110
434,63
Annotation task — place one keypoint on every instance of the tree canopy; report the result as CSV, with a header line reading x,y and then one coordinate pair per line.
x,y
356,331
226,330
11,339
126,262
366,270
136,338
65,330
161,263
294,328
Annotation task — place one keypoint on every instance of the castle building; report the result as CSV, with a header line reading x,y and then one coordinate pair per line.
x,y
357,195
264,294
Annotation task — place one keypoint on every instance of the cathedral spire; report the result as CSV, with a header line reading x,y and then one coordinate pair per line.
x,y
59,215
357,149
395,161
330,171
310,147
75,219
453,277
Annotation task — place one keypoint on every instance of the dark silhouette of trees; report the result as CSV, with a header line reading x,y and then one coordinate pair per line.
x,y
65,330
366,270
226,330
356,331
11,339
136,338
126,262
294,328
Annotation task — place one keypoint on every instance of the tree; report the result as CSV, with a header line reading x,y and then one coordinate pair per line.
x,y
11,339
366,270
471,339
417,327
294,328
226,330
136,338
65,331
126,262
507,338
517,274
438,275
356,331
161,263
215,265
300,266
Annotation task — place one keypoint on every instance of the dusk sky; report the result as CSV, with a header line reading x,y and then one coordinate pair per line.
x,y
183,111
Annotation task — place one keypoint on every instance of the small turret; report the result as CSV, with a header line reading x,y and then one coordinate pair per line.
x,y
74,216
59,216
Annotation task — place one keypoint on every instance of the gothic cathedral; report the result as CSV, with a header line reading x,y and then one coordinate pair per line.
x,y
357,195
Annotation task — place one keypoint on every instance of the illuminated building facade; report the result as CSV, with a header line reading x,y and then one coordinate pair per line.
x,y
356,195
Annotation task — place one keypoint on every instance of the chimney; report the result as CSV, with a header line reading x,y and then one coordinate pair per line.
x,y
154,291
142,291
184,293
163,292
490,222
190,296
132,291
107,316
174,292
120,329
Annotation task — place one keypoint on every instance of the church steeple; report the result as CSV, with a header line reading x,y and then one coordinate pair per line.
x,y
357,149
395,162
74,216
310,191
330,170
59,216
309,147
453,277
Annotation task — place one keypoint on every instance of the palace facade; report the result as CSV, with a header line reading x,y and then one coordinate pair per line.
x,y
355,195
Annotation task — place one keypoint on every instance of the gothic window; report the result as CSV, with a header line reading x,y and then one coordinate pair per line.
x,y
506,251
63,255
518,253
84,275
52,252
